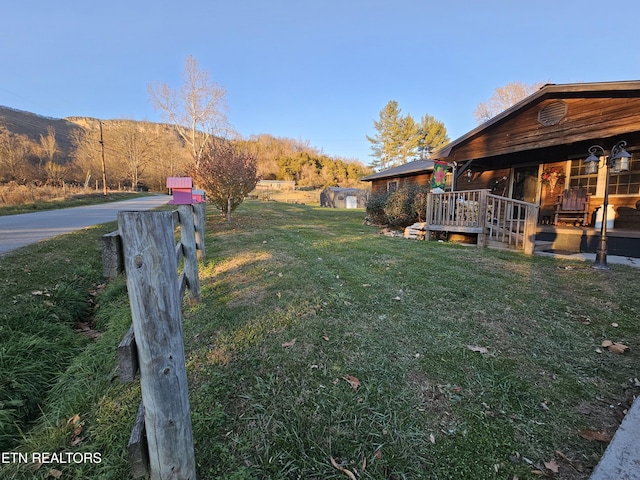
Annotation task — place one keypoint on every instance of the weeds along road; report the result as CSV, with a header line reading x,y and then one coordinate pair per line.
x,y
19,230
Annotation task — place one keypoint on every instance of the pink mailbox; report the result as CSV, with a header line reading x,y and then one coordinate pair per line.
x,y
181,190
198,196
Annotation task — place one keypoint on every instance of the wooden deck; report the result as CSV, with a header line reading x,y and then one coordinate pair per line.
x,y
494,219
506,223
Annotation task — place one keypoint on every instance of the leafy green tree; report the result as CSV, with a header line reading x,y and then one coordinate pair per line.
x,y
386,142
433,135
400,139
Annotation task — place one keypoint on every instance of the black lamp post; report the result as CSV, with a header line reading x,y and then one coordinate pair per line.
x,y
618,161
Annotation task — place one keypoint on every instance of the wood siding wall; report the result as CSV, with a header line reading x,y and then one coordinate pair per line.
x,y
380,186
586,119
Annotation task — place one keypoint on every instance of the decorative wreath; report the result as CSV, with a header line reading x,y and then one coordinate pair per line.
x,y
552,176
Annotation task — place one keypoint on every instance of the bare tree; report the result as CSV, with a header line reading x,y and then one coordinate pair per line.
x,y
14,156
134,146
197,110
48,144
55,173
87,150
503,98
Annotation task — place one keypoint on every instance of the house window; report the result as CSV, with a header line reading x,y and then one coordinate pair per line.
x,y
626,183
392,186
579,177
623,183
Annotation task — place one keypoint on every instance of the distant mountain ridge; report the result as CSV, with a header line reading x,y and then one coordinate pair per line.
x,y
33,126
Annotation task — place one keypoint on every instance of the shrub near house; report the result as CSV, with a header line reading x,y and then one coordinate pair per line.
x,y
399,208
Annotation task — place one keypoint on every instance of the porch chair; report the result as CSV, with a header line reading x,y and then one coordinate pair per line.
x,y
573,204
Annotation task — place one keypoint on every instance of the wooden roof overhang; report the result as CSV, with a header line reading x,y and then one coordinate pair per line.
x,y
595,113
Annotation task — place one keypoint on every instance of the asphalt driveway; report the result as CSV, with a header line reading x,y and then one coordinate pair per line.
x,y
19,230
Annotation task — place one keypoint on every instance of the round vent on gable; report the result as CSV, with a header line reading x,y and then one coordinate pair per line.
x,y
552,114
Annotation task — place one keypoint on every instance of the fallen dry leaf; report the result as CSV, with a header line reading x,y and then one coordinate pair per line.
x,y
474,348
552,466
289,344
342,469
55,473
593,435
614,347
74,420
618,348
353,381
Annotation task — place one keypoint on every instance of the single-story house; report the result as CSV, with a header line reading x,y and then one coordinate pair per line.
x,y
534,152
417,172
337,197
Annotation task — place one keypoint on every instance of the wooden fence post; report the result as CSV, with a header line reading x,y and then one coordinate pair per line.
x,y
188,240
152,282
200,215
111,255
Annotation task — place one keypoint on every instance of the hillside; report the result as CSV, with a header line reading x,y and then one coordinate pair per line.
x,y
32,126
155,152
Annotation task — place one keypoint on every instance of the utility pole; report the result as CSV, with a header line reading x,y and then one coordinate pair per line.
x,y
104,170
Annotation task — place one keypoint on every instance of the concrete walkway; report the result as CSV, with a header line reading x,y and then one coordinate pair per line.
x,y
621,460
590,257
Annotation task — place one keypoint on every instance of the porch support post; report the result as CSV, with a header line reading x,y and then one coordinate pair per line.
x,y
530,229
482,218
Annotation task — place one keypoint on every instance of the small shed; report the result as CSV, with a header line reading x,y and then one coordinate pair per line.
x,y
337,197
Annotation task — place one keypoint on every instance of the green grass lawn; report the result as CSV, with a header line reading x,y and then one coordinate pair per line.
x,y
318,339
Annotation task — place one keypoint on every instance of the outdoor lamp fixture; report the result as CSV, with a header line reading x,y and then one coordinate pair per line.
x,y
618,161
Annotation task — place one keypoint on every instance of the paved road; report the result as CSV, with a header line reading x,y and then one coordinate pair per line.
x,y
19,230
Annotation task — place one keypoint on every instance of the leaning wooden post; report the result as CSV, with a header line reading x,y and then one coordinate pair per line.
x,y
152,282
200,215
188,240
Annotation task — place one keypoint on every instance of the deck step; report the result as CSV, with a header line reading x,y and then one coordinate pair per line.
x,y
542,245
497,245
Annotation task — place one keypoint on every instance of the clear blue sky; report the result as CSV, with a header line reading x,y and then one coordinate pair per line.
x,y
316,70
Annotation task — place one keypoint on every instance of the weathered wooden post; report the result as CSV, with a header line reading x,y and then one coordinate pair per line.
x,y
200,215
483,213
530,229
152,281
188,240
111,255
